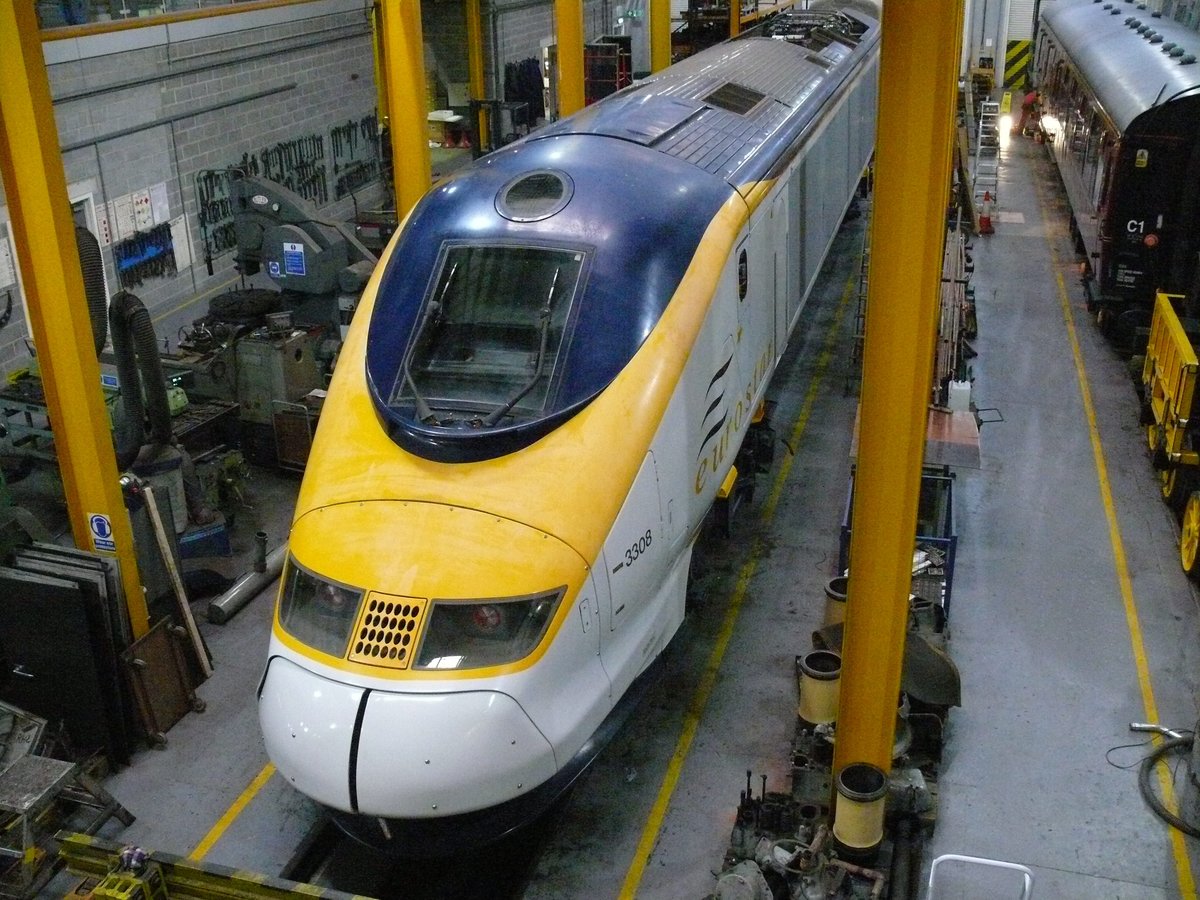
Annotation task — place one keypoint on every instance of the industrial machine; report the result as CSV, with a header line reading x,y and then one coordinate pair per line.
x,y
320,266
265,349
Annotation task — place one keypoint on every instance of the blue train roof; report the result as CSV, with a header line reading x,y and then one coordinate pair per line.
x,y
524,284
1132,59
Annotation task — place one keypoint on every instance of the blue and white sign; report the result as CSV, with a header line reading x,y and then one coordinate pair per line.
x,y
293,259
102,533
273,268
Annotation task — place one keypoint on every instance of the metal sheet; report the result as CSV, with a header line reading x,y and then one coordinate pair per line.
x,y
50,660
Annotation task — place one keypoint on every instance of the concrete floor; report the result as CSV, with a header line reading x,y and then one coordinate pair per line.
x,y
1038,766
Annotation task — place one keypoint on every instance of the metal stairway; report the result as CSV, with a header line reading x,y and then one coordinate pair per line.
x,y
987,150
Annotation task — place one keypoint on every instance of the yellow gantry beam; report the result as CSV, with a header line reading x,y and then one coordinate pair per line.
x,y
474,24
568,23
660,34
44,228
914,143
403,65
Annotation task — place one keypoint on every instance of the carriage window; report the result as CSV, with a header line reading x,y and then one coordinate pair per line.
x,y
489,334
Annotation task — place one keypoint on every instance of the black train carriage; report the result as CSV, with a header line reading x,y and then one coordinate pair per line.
x,y
1121,107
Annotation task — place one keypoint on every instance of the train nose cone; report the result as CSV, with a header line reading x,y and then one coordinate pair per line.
x,y
399,755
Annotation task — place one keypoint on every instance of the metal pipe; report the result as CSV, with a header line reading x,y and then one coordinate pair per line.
x,y
247,588
877,877
167,120
260,551
1156,729
313,39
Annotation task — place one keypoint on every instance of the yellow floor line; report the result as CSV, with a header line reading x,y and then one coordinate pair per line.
x,y
691,720
214,833
1183,866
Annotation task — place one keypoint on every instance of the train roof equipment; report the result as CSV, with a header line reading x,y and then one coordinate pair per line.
x,y
1134,60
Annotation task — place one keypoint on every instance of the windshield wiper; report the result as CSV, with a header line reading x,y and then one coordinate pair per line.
x,y
434,309
544,317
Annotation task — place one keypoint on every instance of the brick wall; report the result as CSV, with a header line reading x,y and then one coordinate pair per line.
x,y
139,118
155,106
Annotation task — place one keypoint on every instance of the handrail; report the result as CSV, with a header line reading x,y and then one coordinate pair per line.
x,y
1026,872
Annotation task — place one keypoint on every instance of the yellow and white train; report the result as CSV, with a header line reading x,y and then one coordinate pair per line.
x,y
549,377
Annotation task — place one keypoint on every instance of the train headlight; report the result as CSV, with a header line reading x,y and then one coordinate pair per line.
x,y
465,634
317,611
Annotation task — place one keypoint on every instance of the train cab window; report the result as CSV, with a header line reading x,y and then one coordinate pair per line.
x,y
490,333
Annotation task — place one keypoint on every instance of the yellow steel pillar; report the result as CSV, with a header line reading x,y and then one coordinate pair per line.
x,y
381,96
568,21
735,18
408,106
917,84
45,237
660,34
475,65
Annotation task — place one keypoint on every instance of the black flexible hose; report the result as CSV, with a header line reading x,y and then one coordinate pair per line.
x,y
1179,743
92,266
130,428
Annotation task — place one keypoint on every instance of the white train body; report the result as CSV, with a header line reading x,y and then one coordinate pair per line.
x,y
554,543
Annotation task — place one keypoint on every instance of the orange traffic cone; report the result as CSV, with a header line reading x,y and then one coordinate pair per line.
x,y
985,214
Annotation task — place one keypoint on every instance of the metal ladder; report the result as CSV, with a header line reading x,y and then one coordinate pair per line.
x,y
854,371
987,150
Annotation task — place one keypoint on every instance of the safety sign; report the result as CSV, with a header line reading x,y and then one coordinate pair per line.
x,y
100,527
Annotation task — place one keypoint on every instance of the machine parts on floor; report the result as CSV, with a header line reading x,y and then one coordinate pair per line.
x,y
37,795
858,832
936,539
793,842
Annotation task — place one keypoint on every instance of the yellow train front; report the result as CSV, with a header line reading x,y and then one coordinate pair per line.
x,y
549,377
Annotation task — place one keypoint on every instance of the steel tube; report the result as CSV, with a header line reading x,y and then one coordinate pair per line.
x,y
247,588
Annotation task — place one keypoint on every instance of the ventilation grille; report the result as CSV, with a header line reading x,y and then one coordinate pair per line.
x,y
386,633
736,98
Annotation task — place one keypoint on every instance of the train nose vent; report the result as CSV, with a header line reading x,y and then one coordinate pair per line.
x,y
386,631
533,196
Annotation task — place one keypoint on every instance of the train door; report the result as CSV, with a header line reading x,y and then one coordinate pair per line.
x,y
779,248
634,563
1141,223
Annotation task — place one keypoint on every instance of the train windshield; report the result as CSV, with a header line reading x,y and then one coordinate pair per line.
x,y
487,345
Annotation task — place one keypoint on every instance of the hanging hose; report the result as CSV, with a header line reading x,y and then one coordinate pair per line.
x,y
91,264
130,429
1179,743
